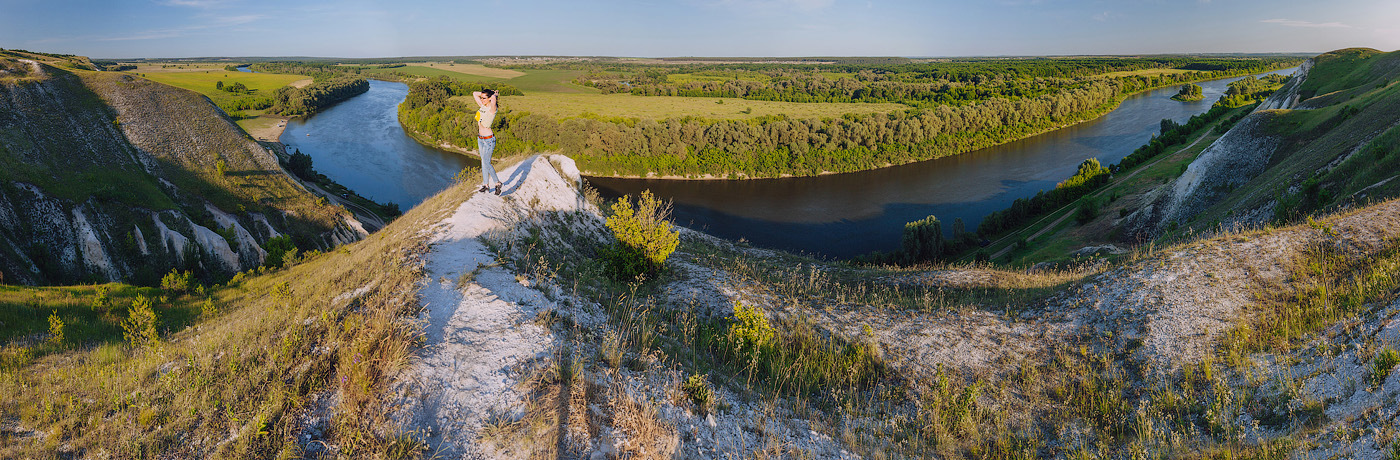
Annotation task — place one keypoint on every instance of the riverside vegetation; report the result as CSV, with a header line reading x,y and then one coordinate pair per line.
x,y
1268,343
949,108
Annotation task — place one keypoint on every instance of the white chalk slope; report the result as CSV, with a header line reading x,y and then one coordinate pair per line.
x,y
480,328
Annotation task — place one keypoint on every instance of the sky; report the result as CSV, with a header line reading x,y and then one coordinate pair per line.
x,y
664,28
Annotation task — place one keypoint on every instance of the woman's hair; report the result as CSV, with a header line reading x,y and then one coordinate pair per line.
x,y
488,92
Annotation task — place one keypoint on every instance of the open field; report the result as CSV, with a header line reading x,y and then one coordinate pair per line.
x,y
203,82
1145,72
431,72
658,108
474,69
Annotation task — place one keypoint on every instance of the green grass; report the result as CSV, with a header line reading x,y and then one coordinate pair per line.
x,y
24,313
622,105
1343,69
204,82
550,81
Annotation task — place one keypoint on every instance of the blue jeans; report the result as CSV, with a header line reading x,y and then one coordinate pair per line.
x,y
484,148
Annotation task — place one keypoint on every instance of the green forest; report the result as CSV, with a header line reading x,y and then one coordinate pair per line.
x,y
293,101
954,107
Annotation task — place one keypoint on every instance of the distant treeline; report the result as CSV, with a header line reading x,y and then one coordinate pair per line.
x,y
922,84
316,70
321,93
430,111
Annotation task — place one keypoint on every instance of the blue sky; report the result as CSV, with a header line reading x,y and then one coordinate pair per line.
x,y
365,28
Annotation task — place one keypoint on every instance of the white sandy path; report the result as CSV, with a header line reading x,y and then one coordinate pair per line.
x,y
479,337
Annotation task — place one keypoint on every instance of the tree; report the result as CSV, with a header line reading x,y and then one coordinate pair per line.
x,y
219,85
923,240
300,164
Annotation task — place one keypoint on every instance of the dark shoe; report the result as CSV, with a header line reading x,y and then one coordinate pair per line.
x,y
498,189
482,189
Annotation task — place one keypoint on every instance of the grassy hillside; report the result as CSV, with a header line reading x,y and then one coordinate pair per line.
x,y
241,370
1334,152
101,167
1333,146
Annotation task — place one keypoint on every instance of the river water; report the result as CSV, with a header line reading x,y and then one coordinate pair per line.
x,y
844,215
360,144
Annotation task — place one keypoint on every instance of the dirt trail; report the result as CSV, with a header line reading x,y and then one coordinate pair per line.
x,y
480,329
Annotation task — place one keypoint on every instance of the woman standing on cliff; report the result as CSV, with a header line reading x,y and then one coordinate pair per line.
x,y
486,140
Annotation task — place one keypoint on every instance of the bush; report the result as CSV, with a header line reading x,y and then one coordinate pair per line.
x,y
1384,363
176,281
1086,212
55,329
278,249
644,237
749,331
698,388
139,328
102,301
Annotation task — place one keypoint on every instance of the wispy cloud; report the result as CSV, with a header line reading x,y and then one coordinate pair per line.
x,y
193,3
1101,17
216,22
1295,23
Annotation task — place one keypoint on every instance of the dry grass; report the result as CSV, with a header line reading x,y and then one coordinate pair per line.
x,y
303,351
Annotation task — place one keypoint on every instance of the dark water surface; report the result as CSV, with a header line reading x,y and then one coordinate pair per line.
x,y
360,144
844,215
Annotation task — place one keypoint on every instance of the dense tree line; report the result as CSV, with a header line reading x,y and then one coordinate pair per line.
x,y
293,101
912,84
1090,176
317,70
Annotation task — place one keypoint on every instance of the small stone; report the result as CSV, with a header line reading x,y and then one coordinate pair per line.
x,y
710,420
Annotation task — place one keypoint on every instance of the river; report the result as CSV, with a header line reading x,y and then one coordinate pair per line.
x,y
360,144
844,215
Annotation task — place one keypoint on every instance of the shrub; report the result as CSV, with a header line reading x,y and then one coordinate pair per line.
x,y
102,301
468,174
698,388
277,250
749,331
55,329
1385,362
176,281
139,328
1086,212
644,237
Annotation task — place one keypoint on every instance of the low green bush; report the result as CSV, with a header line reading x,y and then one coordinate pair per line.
x,y
645,237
